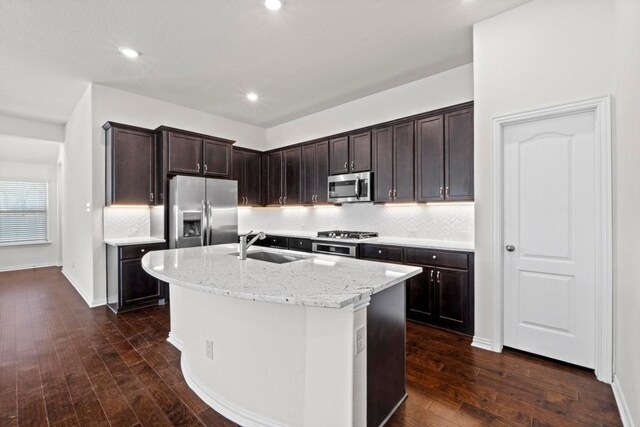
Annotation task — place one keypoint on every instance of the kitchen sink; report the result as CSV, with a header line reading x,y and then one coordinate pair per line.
x,y
274,258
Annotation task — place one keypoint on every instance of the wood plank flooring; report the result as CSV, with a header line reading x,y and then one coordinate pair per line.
x,y
64,364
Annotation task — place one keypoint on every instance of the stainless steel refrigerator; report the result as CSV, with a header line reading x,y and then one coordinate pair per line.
x,y
203,211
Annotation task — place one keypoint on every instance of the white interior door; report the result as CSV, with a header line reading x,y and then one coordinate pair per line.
x,y
550,237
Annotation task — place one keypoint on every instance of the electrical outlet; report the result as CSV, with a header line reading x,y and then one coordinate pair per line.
x,y
361,340
209,349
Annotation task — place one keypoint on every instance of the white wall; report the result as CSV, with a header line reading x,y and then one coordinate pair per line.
x,y
541,54
627,204
108,104
441,90
77,226
28,256
33,129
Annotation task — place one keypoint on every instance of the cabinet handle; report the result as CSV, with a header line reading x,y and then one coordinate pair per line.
x,y
441,194
345,165
380,251
198,167
434,257
151,197
205,168
280,199
299,243
446,192
431,276
438,276
141,250
394,194
390,195
353,165
284,199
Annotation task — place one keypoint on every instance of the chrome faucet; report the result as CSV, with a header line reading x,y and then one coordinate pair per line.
x,y
242,250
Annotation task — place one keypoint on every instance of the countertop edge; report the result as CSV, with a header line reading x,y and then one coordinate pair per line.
x,y
132,241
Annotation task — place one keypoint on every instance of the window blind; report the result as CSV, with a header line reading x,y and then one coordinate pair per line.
x,y
23,212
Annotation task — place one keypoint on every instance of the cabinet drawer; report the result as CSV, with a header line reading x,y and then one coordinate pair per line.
x,y
296,244
437,258
277,242
382,253
138,251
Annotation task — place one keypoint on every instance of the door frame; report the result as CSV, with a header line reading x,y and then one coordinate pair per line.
x,y
604,238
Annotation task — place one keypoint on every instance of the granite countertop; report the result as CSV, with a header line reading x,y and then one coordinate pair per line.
x,y
124,241
315,280
450,245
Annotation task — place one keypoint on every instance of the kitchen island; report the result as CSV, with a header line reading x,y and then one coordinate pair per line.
x,y
286,339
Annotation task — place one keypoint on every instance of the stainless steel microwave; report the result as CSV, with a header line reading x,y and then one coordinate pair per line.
x,y
352,187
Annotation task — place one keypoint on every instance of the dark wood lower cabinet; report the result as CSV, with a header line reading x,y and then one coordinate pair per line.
x,y
128,285
442,295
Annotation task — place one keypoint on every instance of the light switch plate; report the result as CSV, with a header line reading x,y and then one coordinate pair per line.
x,y
360,340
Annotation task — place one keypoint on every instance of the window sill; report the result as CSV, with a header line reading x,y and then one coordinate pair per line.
x,y
30,243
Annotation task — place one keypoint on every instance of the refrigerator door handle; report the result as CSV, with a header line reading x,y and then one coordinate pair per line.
x,y
204,226
209,223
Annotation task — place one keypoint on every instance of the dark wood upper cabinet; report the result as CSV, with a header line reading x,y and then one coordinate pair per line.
x,y
292,176
429,156
458,155
360,152
339,155
185,154
130,165
444,151
393,163
383,164
274,180
246,170
403,163
315,171
195,154
217,158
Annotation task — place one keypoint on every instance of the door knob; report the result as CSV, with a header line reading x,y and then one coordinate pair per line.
x,y
510,248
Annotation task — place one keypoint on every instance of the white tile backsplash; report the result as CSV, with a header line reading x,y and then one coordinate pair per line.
x,y
446,221
126,222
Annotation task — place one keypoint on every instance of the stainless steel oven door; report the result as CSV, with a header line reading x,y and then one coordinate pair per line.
x,y
353,187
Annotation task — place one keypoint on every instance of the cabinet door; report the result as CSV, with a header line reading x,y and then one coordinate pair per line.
x,y
458,146
322,172
453,297
430,159
360,152
133,160
308,174
339,155
274,185
217,159
136,286
238,173
383,164
403,163
292,176
252,179
185,154
421,296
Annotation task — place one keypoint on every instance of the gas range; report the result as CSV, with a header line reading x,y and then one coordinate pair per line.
x,y
340,242
341,234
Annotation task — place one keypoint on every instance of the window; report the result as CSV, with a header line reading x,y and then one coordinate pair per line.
x,y
23,212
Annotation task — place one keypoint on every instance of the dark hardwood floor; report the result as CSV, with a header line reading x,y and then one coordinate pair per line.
x,y
64,364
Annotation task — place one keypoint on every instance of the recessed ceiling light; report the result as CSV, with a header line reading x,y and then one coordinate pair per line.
x,y
252,96
129,53
272,4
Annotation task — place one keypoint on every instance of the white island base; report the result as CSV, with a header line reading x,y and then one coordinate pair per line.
x,y
273,364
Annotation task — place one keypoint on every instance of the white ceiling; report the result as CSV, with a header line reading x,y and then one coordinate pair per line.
x,y
206,54
27,150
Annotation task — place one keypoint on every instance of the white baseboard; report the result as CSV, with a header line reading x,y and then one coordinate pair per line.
x,y
174,340
623,408
27,267
482,343
226,409
90,302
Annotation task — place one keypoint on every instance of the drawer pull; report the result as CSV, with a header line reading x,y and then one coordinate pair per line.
x,y
380,251
434,257
141,250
